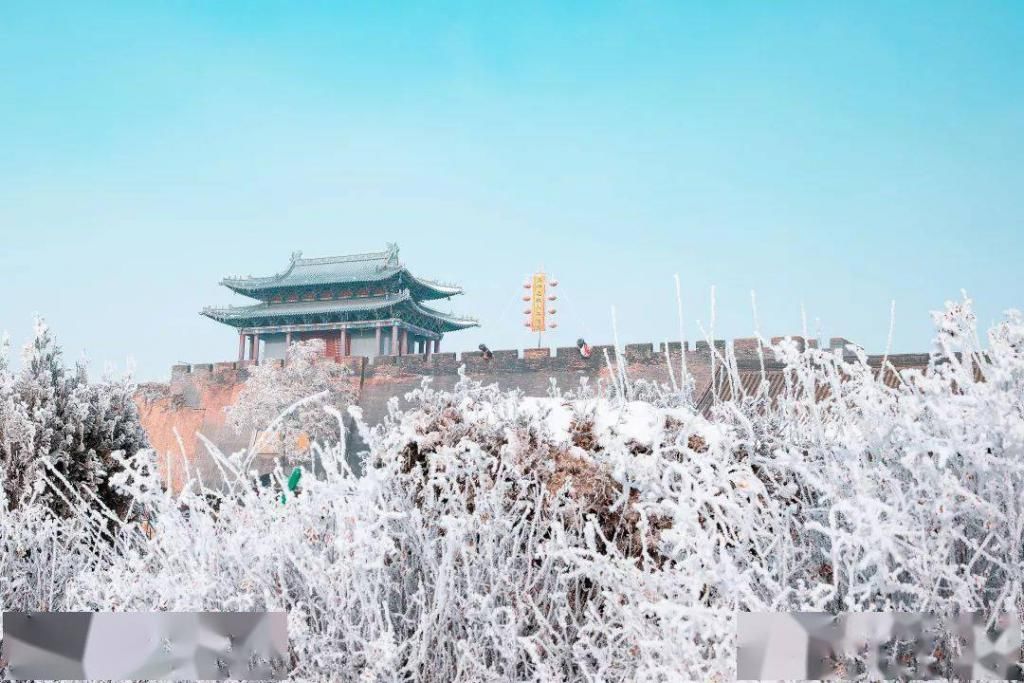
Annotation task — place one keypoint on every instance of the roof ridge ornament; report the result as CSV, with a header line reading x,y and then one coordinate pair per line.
x,y
391,257
296,255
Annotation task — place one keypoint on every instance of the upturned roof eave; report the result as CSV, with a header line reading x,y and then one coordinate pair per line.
x,y
458,323
444,325
250,316
442,291
252,286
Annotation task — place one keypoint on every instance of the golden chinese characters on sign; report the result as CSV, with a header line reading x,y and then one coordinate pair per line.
x,y
537,311
538,297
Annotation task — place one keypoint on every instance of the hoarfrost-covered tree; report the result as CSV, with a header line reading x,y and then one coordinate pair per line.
x,y
55,425
111,429
55,405
17,434
285,402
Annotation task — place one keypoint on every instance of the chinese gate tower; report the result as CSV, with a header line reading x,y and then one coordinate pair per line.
x,y
359,305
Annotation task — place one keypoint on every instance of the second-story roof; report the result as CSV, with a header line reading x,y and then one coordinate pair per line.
x,y
395,305
373,267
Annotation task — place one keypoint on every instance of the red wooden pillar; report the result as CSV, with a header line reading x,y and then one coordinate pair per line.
x,y
437,345
405,342
342,342
394,340
255,348
377,352
287,340
241,346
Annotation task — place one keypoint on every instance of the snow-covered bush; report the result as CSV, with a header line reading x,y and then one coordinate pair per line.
x,y
53,418
272,388
589,535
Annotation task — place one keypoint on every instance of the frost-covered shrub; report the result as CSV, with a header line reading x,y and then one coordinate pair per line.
x,y
306,383
53,418
590,535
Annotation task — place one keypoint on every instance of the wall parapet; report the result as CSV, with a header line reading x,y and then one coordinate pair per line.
x,y
746,350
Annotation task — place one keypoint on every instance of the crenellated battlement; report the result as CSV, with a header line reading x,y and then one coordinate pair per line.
x,y
562,358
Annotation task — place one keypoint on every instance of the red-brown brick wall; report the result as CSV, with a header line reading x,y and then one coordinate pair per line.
x,y
197,396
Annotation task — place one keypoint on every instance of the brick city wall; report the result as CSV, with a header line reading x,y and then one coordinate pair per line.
x,y
196,398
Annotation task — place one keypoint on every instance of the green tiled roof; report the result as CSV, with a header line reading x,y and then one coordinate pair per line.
x,y
341,270
401,305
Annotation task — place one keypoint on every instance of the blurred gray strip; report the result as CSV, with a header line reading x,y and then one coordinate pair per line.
x,y
145,645
876,646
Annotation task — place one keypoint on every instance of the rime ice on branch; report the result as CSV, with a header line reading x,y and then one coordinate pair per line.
x,y
587,536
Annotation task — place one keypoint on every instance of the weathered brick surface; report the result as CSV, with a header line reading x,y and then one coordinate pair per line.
x,y
196,398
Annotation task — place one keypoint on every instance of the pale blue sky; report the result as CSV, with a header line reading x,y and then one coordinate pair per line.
x,y
835,154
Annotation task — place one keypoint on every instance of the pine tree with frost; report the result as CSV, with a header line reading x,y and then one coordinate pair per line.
x,y
112,428
17,434
285,403
51,397
58,428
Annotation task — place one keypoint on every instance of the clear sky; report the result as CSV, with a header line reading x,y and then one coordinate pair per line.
x,y
834,154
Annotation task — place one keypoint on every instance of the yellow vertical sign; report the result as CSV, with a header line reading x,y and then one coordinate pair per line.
x,y
537,311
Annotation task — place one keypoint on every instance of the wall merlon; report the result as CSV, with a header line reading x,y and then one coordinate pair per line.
x,y
838,342
703,346
901,360
745,344
567,352
638,351
414,364
800,342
